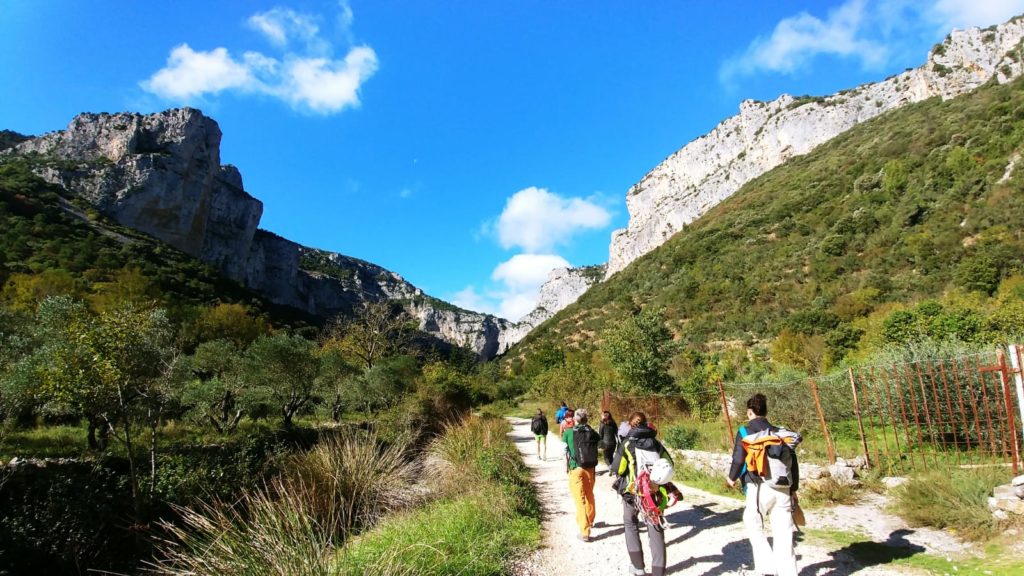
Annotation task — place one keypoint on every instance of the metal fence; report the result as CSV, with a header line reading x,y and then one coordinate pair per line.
x,y
906,416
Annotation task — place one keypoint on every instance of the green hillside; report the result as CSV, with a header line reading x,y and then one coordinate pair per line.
x,y
51,242
910,206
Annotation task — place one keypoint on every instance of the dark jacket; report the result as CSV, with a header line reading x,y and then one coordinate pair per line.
x,y
642,438
539,425
608,432
739,455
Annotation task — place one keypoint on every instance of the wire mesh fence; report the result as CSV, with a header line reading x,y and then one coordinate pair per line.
x,y
906,416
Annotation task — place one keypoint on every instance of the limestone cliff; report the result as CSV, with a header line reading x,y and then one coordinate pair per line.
x,y
161,174
765,134
563,287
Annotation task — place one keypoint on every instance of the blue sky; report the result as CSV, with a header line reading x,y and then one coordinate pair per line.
x,y
469,146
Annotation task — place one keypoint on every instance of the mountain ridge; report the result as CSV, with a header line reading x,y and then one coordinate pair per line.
x,y
161,174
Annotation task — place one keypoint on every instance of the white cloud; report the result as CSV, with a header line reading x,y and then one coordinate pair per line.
x,y
470,299
189,74
310,80
798,39
536,219
280,25
324,85
874,32
966,13
517,282
527,271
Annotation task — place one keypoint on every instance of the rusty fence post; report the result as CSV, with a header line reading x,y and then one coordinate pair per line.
x,y
821,419
725,410
860,423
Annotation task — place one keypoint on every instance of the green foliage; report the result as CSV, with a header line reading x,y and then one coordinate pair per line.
x,y
63,519
951,498
639,349
471,535
682,437
487,512
905,207
281,371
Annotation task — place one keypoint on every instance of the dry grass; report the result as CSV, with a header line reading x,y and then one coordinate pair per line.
x,y
291,527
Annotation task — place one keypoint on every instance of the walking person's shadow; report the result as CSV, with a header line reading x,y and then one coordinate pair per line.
x,y
857,555
734,556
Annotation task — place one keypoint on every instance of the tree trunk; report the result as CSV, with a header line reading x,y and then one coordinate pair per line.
x,y
91,435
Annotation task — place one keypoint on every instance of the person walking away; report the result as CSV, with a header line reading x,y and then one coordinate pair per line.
x,y
560,413
609,438
581,453
764,499
567,422
539,427
639,448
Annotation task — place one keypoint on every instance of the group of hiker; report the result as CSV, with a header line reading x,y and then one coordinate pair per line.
x,y
763,462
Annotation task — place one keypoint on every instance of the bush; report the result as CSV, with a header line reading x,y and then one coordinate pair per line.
x,y
951,498
349,482
827,491
681,437
266,532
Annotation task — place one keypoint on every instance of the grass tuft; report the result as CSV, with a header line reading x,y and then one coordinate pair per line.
x,y
951,498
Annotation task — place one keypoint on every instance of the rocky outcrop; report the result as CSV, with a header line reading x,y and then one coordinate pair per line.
x,y
563,287
765,134
161,174
157,173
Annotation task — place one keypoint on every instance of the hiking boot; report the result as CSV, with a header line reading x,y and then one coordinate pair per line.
x,y
583,538
634,571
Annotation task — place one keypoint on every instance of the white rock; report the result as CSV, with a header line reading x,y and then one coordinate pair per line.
x,y
766,134
893,481
1018,481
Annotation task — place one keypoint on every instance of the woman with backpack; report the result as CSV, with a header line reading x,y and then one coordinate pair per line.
x,y
638,447
609,438
778,499
539,427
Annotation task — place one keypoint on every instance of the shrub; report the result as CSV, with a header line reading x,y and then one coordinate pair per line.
x,y
349,482
951,498
681,437
266,532
827,491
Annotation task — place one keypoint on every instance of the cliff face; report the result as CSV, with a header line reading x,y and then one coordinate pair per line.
x,y
563,287
764,135
161,174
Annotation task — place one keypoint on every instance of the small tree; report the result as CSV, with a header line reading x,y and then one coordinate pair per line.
x,y
640,349
214,392
281,370
379,330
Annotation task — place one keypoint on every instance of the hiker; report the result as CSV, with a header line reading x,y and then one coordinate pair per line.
x,y
764,497
567,421
560,413
581,460
609,438
539,427
639,446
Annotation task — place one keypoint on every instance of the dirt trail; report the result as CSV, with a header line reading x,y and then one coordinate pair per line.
x,y
705,535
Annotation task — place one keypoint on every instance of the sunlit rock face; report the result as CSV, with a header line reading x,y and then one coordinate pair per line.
x,y
161,174
765,134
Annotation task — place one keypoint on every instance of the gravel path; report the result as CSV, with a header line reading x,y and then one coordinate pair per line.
x,y
705,535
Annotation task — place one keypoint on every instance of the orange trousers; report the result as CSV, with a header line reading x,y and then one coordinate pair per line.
x,y
581,486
